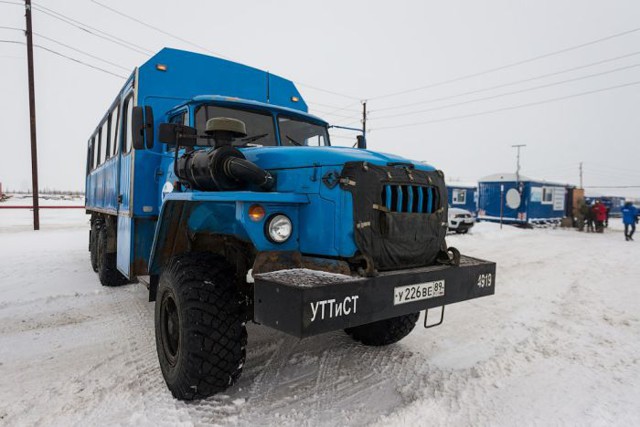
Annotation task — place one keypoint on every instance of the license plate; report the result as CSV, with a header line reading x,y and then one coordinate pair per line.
x,y
418,292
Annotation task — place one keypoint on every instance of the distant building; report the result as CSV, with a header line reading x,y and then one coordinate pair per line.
x,y
464,196
523,201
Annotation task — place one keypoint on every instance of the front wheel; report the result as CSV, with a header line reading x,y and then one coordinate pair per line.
x,y
200,326
384,332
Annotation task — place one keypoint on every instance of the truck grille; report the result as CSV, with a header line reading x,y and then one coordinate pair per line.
x,y
409,198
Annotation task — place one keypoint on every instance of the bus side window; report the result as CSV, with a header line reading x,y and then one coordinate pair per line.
x,y
99,148
126,125
94,150
90,156
115,118
104,141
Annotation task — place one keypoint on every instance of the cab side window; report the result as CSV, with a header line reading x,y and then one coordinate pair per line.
x,y
181,118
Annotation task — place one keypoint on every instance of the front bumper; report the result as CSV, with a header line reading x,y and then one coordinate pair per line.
x,y
304,302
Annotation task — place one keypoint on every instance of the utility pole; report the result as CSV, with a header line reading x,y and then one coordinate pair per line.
x,y
518,146
32,121
364,118
581,175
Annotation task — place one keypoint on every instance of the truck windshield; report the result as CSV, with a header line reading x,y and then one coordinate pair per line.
x,y
299,132
260,127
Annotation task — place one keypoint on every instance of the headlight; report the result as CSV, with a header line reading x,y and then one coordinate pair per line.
x,y
279,228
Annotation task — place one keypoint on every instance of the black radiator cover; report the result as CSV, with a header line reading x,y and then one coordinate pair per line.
x,y
390,239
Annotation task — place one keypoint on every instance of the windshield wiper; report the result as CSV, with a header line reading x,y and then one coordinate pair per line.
x,y
293,141
253,138
247,141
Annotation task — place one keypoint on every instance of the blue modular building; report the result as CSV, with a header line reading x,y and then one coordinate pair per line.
x,y
521,201
464,196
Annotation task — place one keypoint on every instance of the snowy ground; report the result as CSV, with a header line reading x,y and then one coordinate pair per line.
x,y
558,344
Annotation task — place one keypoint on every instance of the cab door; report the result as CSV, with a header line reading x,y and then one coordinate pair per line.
x,y
125,191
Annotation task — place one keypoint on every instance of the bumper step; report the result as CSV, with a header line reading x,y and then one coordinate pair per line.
x,y
304,302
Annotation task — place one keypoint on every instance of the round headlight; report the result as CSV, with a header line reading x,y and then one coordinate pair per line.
x,y
279,228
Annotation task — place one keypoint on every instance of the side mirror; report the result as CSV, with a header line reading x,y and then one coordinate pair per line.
x,y
177,134
142,127
362,141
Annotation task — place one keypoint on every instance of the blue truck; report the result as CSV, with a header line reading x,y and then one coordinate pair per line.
x,y
209,182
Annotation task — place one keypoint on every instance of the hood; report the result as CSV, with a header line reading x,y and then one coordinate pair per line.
x,y
456,211
273,158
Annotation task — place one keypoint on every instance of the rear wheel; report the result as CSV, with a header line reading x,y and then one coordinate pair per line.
x,y
107,270
200,326
384,332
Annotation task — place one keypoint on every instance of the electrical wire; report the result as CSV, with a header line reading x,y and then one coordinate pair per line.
x,y
515,107
333,107
443,107
160,30
12,2
329,91
83,52
510,65
12,28
96,32
182,39
512,83
65,56
326,113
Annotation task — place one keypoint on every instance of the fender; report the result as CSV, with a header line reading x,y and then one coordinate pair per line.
x,y
185,215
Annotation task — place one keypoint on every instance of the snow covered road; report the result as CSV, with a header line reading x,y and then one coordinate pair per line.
x,y
558,344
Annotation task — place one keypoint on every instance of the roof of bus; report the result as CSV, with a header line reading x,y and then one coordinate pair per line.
x,y
233,101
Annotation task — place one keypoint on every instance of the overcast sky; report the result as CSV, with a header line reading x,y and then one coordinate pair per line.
x,y
362,50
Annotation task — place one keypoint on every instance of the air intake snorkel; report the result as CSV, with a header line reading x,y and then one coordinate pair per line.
x,y
222,168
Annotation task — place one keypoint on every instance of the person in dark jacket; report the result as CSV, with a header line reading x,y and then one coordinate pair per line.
x,y
591,217
629,218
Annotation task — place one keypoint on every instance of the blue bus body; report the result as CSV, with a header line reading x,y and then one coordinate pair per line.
x,y
129,183
203,175
539,201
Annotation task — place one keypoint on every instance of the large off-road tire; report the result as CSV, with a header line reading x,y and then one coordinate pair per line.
x,y
384,332
93,244
200,326
107,271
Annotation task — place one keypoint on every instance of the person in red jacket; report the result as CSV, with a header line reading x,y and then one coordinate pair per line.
x,y
601,215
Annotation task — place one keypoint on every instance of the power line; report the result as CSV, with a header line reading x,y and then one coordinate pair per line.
x,y
326,113
510,65
182,39
11,2
66,56
96,32
329,91
83,52
541,76
515,107
443,107
612,186
335,107
160,30
12,28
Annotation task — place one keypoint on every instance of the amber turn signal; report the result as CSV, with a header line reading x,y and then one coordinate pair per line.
x,y
256,212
